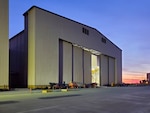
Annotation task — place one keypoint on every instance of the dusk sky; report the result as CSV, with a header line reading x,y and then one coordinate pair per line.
x,y
125,22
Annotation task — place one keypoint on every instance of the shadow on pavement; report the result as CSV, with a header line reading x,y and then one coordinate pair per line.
x,y
55,97
8,102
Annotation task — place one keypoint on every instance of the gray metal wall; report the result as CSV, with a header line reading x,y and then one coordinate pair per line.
x,y
77,64
111,70
104,70
18,61
67,62
74,64
87,67
107,70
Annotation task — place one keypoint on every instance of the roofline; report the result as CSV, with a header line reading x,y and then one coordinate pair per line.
x,y
16,35
56,15
107,39
69,20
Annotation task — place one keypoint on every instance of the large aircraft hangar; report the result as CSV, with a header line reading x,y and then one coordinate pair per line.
x,y
53,48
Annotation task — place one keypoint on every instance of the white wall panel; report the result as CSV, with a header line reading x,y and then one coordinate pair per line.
x,y
77,65
46,62
87,67
31,49
47,52
4,50
111,70
104,70
67,62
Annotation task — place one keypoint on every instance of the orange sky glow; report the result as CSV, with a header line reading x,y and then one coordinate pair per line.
x,y
131,77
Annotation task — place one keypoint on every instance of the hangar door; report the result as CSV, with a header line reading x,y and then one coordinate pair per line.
x,y
104,70
67,62
77,64
87,67
107,70
111,70
74,63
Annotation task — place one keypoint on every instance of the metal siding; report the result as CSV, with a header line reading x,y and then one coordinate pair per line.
x,y
119,69
111,70
87,67
67,62
4,50
18,61
78,66
104,70
31,49
46,52
60,61
72,32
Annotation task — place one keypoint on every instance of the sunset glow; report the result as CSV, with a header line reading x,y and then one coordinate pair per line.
x,y
132,77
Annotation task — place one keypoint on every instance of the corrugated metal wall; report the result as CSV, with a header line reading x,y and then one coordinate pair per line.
x,y
77,65
108,70
104,70
74,63
18,61
111,70
4,49
87,67
67,62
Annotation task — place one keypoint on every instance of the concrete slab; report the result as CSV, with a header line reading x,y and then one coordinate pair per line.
x,y
92,100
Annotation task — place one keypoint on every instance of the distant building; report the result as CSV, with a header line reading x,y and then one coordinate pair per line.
x,y
53,48
148,77
4,41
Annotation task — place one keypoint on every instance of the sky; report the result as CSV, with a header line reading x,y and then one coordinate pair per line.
x,y
125,22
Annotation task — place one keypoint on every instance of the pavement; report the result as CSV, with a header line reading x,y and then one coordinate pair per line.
x,y
19,91
90,100
29,91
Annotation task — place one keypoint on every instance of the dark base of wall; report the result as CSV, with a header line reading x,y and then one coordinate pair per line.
x,y
4,87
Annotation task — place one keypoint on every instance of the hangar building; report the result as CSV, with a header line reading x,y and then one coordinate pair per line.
x,y
53,48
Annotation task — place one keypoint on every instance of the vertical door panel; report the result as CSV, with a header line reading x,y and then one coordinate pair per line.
x,y
87,67
77,65
67,62
111,70
104,70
